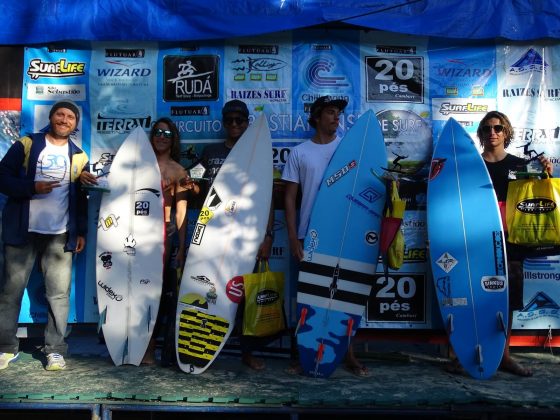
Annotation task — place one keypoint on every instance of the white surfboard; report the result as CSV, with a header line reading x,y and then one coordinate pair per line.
x,y
224,245
129,257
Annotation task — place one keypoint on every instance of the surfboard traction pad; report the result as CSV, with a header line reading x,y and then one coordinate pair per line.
x,y
200,336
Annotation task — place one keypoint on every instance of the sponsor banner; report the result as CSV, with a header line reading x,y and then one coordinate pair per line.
x,y
56,92
190,89
258,71
408,139
541,295
394,71
467,111
529,93
399,297
325,66
414,85
51,75
122,78
466,71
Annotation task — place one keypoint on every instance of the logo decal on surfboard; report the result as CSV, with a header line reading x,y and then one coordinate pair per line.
x,y
313,244
108,222
340,173
437,166
142,208
235,290
129,245
493,283
446,262
371,195
372,237
198,233
231,207
105,258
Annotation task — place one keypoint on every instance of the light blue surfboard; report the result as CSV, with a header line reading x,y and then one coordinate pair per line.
x,y
341,248
467,252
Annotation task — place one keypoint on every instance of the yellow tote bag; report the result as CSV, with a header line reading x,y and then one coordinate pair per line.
x,y
532,214
264,299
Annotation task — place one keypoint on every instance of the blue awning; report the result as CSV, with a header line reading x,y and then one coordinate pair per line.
x,y
32,21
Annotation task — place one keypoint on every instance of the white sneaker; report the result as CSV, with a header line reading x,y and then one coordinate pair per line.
x,y
6,358
55,361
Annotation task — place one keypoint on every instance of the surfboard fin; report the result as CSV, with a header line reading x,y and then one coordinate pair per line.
x,y
502,323
102,319
319,357
301,322
349,329
450,326
125,351
479,357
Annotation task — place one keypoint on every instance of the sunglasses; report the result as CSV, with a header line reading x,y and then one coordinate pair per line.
x,y
158,132
236,120
487,129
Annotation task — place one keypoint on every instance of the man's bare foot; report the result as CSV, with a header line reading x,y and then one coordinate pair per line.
x,y
149,358
454,367
294,368
357,369
511,366
352,365
253,362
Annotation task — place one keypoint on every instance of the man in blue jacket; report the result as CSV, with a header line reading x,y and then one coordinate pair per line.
x,y
45,217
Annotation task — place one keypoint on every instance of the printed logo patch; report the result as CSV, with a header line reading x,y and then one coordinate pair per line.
x,y
108,222
198,233
231,208
205,215
493,283
446,262
235,290
105,258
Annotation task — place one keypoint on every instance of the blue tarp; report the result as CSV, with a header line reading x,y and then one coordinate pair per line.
x,y
43,21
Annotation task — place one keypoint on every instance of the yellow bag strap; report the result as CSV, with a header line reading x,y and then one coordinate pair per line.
x,y
263,262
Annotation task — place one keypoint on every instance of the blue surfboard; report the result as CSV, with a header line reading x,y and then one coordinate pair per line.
x,y
341,248
467,252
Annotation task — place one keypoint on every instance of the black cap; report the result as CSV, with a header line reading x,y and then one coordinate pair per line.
x,y
325,101
68,105
235,105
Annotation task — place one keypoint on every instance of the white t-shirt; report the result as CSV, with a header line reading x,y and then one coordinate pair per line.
x,y
48,213
306,166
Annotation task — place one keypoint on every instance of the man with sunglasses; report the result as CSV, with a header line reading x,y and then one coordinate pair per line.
x,y
235,119
45,217
176,185
495,134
